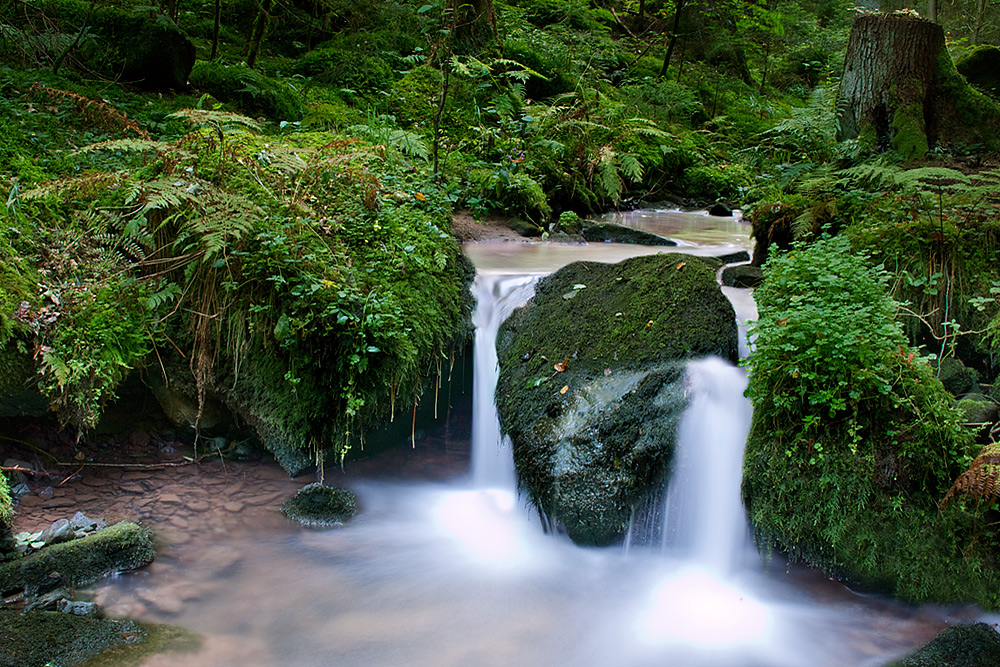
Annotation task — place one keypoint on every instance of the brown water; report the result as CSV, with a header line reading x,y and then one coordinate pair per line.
x,y
433,572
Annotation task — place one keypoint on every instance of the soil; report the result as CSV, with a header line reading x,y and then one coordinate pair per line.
x,y
491,228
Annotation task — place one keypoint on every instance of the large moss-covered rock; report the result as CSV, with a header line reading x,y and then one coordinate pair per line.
x,y
981,68
321,506
590,387
248,90
619,234
144,48
123,546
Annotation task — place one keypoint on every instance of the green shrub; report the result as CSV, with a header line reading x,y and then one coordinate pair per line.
x,y
248,90
854,441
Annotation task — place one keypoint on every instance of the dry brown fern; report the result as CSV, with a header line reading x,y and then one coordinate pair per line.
x,y
96,112
982,480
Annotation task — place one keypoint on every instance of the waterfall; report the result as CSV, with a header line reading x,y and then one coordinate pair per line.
x,y
699,517
497,295
704,519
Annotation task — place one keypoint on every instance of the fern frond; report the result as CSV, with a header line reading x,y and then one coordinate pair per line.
x,y
213,118
124,145
982,480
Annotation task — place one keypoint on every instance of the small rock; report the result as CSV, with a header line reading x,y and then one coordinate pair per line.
x,y
720,211
45,493
169,498
197,505
233,506
81,521
60,531
76,607
179,522
139,438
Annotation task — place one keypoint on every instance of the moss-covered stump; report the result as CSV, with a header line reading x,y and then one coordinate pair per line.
x,y
619,234
320,506
590,385
54,638
975,645
123,546
900,90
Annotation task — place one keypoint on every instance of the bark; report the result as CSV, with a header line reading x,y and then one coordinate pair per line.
x,y
257,34
900,90
888,86
475,21
932,11
217,21
674,32
977,26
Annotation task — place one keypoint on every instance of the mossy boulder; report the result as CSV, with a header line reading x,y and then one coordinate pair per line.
x,y
118,548
144,48
976,645
248,90
981,68
590,388
320,506
618,234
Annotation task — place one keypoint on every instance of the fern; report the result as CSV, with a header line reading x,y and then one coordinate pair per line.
x,y
982,480
216,119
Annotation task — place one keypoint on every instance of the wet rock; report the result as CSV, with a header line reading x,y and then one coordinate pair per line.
x,y
19,475
591,387
720,211
169,498
233,506
60,531
320,506
197,505
81,521
76,607
734,257
606,233
978,409
742,275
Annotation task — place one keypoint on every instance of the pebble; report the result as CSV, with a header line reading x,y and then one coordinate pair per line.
x,y
233,506
197,505
179,522
169,498
94,481
132,487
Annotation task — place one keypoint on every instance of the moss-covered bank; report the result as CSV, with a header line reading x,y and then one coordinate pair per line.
x,y
590,385
854,441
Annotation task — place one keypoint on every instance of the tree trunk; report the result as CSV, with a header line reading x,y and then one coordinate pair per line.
x,y
217,21
674,31
900,90
977,25
257,33
932,11
475,21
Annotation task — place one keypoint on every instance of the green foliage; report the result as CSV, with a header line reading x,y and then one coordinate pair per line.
x,y
6,506
248,90
851,424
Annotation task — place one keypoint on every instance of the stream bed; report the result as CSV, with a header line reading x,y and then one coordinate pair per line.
x,y
439,570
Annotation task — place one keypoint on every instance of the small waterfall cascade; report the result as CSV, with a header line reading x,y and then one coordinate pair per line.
x,y
700,517
497,295
704,519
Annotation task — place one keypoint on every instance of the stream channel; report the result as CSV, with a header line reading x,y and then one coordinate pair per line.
x,y
445,566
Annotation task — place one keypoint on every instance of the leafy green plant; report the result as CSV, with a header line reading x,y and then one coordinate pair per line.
x,y
851,423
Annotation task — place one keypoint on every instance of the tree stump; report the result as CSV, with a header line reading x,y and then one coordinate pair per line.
x,y
900,90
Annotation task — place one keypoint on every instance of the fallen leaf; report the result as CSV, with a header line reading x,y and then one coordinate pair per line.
x,y
681,265
649,323
564,389
420,196
561,366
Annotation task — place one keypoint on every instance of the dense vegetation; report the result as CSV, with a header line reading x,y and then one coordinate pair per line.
x,y
276,236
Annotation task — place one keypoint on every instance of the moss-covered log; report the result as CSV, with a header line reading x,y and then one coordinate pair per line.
x,y
900,90
590,385
124,546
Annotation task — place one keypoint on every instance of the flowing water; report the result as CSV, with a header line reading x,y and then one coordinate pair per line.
x,y
446,566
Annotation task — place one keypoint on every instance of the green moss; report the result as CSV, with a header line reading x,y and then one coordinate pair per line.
x,y
248,90
590,376
975,645
909,136
854,441
319,506
964,115
123,546
51,638
981,68
414,97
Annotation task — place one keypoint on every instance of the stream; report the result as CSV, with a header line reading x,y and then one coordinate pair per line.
x,y
446,566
